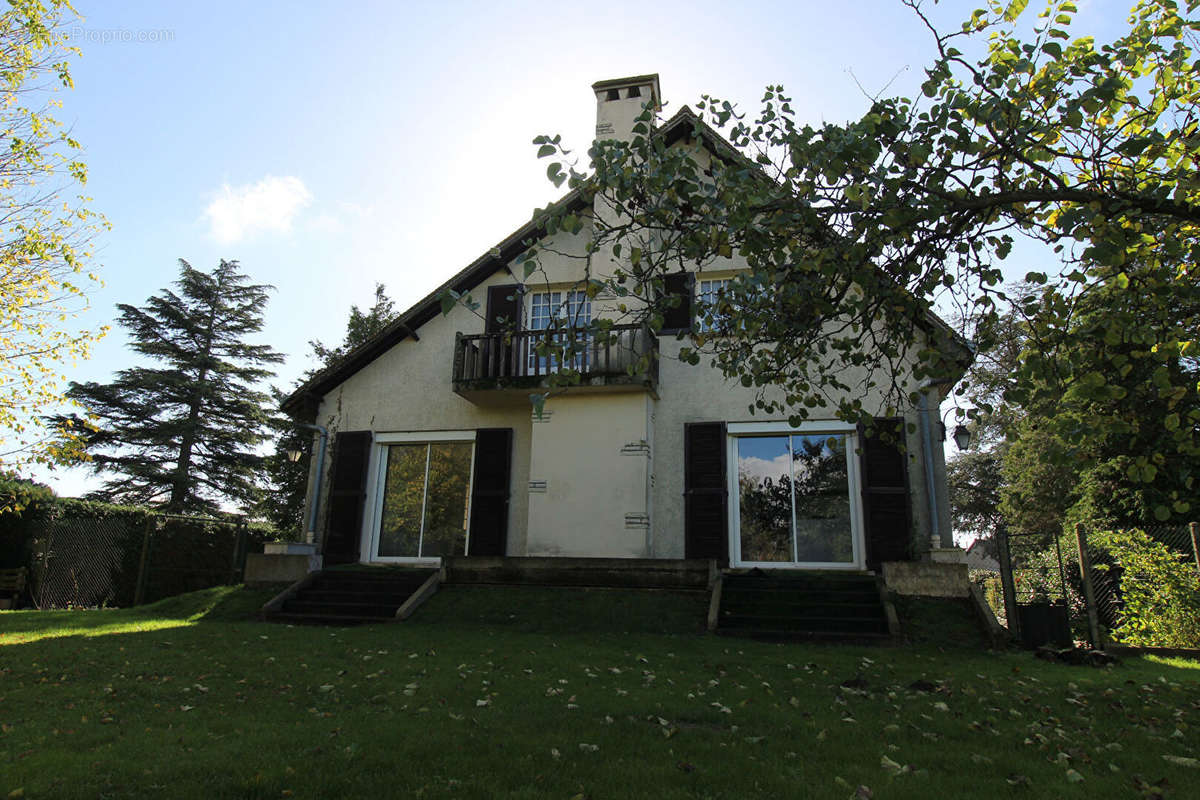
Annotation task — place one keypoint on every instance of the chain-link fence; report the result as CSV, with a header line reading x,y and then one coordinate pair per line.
x,y
1137,587
90,561
1145,585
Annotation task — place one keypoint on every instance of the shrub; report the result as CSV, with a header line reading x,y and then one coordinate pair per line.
x,y
1159,591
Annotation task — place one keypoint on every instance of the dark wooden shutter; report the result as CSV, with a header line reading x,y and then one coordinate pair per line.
x,y
705,492
490,491
678,318
347,495
503,303
887,504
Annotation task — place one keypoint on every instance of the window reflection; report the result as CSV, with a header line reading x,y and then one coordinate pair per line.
x,y
794,499
764,501
426,496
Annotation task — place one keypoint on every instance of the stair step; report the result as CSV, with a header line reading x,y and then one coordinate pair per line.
x,y
805,623
350,596
305,606
379,573
802,593
776,635
770,585
326,619
400,581
851,610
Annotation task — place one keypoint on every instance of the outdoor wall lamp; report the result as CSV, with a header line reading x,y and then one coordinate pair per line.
x,y
293,455
962,437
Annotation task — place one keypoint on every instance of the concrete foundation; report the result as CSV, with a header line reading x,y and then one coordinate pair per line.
x,y
948,555
633,573
927,578
279,567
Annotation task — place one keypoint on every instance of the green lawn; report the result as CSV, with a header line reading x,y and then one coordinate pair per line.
x,y
560,693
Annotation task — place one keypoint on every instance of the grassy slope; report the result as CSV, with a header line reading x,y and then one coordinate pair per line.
x,y
505,692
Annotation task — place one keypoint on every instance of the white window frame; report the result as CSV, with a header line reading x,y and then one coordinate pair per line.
x,y
722,284
738,430
558,305
377,477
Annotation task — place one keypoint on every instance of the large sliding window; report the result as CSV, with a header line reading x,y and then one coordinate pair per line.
x,y
796,498
424,498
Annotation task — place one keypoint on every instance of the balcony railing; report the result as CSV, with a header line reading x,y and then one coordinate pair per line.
x,y
625,355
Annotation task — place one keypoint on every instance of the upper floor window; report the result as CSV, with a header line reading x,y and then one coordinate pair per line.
x,y
569,309
708,294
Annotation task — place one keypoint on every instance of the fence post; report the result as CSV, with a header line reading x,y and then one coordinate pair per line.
x,y
139,594
1194,528
239,551
1089,596
1006,582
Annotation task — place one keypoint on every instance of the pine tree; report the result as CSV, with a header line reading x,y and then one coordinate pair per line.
x,y
288,480
184,434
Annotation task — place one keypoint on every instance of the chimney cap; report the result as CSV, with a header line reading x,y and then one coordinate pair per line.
x,y
650,80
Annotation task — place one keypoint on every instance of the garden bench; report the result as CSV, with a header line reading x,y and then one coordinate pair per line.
x,y
12,584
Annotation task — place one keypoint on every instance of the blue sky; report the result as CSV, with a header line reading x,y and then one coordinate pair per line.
x,y
328,149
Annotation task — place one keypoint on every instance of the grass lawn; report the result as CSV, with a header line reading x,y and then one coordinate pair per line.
x,y
505,692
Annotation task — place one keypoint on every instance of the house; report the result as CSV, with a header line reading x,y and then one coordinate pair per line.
x,y
977,558
435,449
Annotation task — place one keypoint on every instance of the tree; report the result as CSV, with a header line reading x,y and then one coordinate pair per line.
x,y
852,232
1109,388
287,481
185,434
1087,446
45,233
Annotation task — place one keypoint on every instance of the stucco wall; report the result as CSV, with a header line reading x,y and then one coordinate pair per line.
x,y
591,459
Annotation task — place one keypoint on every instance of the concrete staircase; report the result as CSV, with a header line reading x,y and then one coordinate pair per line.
x,y
784,606
348,596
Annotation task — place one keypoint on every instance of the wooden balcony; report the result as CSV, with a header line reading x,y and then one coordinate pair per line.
x,y
490,366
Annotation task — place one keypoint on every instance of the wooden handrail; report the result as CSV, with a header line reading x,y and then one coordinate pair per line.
x,y
613,352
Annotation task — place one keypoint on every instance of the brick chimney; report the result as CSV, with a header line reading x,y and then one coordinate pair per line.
x,y
620,101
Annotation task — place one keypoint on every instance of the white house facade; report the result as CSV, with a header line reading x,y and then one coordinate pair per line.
x,y
435,449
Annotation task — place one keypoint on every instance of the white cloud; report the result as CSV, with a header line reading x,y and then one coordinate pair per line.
x,y
269,205
759,468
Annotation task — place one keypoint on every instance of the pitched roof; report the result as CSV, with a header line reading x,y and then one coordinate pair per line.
x,y
682,124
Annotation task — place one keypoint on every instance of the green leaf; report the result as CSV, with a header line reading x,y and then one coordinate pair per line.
x,y
1014,10
546,150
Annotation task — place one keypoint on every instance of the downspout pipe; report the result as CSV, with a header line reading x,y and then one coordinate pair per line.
x,y
316,503
935,523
